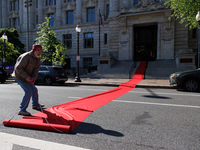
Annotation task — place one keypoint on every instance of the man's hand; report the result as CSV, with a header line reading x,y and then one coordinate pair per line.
x,y
30,80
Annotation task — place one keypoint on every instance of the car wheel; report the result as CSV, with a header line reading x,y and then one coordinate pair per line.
x,y
48,81
3,81
191,85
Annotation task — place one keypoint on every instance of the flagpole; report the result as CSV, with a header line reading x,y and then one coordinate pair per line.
x,y
99,33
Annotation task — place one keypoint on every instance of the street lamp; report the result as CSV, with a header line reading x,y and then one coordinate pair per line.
x,y
4,36
77,78
27,4
198,52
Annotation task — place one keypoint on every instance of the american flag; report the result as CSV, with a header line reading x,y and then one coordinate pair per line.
x,y
100,19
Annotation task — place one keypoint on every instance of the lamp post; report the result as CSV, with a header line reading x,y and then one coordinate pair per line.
x,y
77,78
4,36
27,4
198,51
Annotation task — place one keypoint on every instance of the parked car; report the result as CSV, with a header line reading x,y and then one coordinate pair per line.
x,y
3,75
51,74
188,80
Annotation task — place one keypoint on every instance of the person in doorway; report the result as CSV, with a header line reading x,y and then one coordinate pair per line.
x,y
25,73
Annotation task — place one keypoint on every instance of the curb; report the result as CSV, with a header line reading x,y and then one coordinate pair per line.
x,y
114,85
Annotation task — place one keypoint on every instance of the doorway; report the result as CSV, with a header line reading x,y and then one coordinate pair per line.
x,y
145,43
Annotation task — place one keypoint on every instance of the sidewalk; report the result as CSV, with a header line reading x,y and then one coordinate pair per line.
x,y
154,83
145,83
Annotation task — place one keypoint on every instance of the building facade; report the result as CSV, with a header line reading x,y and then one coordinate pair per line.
x,y
130,29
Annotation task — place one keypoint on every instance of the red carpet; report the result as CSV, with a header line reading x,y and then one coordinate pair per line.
x,y
66,117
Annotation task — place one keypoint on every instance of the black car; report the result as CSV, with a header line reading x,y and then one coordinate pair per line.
x,y
188,80
51,74
3,75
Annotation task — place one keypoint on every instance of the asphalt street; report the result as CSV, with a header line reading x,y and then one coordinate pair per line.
x,y
142,119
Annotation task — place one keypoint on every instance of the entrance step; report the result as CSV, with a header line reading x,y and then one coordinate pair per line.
x,y
120,70
160,69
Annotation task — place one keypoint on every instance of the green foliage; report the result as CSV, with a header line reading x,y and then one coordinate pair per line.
x,y
185,10
13,46
10,52
53,49
59,56
13,37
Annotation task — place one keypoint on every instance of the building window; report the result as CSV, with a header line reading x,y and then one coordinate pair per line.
x,y
107,11
36,19
15,22
68,40
36,5
65,1
50,2
105,39
16,5
88,40
10,6
51,21
87,62
70,17
135,2
90,14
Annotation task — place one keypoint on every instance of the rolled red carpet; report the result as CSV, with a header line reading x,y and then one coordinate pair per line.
x,y
66,117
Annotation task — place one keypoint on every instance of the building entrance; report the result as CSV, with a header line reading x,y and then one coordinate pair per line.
x,y
145,43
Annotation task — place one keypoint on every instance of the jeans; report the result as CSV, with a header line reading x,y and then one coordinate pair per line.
x,y
29,91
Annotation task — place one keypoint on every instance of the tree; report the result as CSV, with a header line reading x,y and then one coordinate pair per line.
x,y
13,37
185,10
10,52
53,49
13,45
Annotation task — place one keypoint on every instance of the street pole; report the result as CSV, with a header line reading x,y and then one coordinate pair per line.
x,y
27,33
4,36
198,52
27,4
4,55
77,78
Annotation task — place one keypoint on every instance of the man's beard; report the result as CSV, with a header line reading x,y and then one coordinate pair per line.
x,y
37,56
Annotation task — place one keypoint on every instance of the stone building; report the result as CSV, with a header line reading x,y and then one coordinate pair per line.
x,y
131,30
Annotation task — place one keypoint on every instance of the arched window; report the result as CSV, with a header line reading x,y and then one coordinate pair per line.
x,y
135,2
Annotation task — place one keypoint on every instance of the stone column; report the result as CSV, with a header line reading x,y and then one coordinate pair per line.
x,y
32,16
40,11
78,11
21,5
113,8
4,13
58,13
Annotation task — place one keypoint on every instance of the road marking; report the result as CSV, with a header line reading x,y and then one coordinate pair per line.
x,y
158,104
148,92
159,93
147,103
7,141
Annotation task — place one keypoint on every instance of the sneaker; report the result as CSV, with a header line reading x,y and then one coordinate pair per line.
x,y
24,113
37,107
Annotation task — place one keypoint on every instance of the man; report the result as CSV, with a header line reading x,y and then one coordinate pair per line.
x,y
25,73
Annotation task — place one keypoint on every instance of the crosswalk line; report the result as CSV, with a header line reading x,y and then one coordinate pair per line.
x,y
7,141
